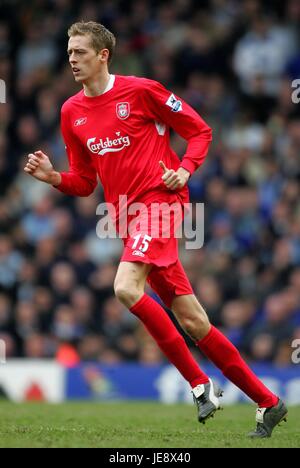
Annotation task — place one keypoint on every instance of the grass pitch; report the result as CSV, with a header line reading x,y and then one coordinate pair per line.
x,y
137,424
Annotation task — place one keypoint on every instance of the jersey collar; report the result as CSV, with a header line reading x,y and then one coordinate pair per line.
x,y
110,83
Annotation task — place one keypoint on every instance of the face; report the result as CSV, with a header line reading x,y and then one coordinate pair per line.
x,y
86,63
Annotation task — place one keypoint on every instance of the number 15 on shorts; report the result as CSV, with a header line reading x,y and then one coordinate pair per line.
x,y
143,240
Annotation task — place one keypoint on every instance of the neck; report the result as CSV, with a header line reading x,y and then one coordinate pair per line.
x,y
96,85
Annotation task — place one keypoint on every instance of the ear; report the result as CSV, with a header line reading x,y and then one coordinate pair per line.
x,y
103,55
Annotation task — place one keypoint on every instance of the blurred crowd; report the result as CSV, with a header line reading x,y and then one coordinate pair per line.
x,y
234,61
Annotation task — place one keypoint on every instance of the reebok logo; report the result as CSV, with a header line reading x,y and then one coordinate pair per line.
x,y
108,145
80,121
138,253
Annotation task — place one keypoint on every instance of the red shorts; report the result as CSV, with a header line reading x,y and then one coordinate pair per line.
x,y
151,230
169,282
152,240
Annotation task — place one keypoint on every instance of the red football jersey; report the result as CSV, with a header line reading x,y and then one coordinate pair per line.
x,y
122,135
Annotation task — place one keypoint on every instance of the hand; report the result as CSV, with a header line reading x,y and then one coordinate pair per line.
x,y
40,167
174,179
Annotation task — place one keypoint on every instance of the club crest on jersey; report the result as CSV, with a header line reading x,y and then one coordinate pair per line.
x,y
123,110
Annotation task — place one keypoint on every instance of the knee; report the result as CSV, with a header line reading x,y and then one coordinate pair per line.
x,y
127,294
195,323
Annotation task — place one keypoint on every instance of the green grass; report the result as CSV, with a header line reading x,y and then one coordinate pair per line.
x,y
136,424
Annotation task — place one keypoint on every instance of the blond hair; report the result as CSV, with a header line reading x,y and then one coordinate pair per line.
x,y
101,38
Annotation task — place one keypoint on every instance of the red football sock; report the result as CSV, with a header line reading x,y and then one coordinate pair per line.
x,y
225,356
161,327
